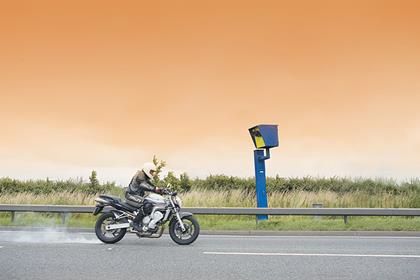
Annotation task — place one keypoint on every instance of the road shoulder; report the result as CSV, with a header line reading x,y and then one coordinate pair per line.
x,y
238,232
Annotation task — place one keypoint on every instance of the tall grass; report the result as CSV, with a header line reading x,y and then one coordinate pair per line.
x,y
299,199
56,198
239,198
311,184
225,191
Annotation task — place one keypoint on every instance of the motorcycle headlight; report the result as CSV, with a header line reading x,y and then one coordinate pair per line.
x,y
178,201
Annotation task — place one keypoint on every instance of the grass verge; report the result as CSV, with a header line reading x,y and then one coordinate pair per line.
x,y
238,223
238,198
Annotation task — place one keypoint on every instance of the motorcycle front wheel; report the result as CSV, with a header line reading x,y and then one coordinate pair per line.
x,y
192,230
108,236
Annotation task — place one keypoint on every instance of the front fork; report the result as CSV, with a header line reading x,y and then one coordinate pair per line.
x,y
180,221
177,215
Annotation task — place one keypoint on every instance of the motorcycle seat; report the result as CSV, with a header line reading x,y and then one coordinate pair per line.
x,y
110,197
118,201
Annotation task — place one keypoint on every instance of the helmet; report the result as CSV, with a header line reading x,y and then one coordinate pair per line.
x,y
148,168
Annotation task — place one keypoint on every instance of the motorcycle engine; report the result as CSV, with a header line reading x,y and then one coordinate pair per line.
x,y
152,221
146,220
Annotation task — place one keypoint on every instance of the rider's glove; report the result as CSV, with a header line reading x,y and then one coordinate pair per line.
x,y
163,191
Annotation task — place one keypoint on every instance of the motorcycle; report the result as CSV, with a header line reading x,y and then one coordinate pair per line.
x,y
112,225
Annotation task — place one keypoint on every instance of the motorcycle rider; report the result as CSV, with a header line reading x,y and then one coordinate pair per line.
x,y
139,185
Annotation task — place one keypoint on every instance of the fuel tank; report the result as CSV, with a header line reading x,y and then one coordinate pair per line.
x,y
155,199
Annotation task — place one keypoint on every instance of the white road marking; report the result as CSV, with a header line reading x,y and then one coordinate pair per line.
x,y
41,231
310,255
311,236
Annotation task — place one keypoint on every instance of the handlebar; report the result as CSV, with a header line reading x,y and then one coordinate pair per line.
x,y
168,192
171,193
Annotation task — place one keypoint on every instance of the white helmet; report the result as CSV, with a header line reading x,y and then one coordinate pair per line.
x,y
148,168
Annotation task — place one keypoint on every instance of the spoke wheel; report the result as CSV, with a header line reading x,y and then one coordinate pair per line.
x,y
108,236
192,230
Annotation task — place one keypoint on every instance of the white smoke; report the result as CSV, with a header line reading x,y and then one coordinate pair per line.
x,y
48,235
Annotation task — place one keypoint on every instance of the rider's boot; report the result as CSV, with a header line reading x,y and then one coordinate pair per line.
x,y
137,220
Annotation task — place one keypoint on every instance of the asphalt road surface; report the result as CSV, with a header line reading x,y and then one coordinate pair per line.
x,y
52,255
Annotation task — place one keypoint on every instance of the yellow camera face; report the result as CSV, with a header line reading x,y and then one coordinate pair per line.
x,y
264,136
258,139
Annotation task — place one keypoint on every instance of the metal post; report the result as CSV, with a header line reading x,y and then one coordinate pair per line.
x,y
13,216
317,205
260,181
346,220
64,218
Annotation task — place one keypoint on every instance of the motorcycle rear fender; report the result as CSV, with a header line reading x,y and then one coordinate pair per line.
x,y
98,209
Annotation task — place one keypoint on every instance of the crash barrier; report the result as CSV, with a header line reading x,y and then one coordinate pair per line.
x,y
66,210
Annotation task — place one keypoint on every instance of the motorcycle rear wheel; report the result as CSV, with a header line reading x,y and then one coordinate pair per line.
x,y
108,236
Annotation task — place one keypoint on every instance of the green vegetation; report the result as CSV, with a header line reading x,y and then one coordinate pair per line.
x,y
237,223
310,223
311,184
225,191
37,187
221,183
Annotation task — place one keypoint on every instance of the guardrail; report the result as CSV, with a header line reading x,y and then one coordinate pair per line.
x,y
65,210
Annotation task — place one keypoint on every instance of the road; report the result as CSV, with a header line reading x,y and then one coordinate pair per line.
x,y
60,255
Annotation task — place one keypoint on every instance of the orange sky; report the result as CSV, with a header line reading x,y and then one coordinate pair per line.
x,y
105,85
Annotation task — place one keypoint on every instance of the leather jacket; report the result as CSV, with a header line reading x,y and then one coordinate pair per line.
x,y
140,184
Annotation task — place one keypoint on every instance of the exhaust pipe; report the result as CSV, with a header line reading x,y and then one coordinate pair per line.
x,y
101,200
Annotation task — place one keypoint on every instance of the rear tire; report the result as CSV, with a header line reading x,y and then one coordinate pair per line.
x,y
184,238
108,236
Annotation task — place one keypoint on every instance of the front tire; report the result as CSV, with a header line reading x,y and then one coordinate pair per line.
x,y
191,233
108,236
